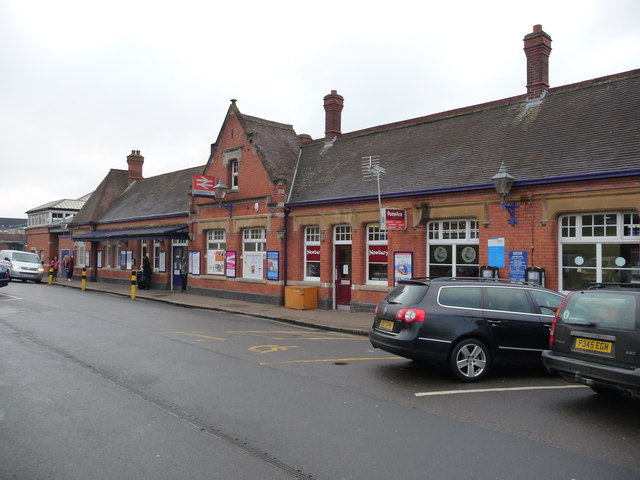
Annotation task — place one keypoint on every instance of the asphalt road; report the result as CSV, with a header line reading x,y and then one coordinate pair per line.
x,y
95,386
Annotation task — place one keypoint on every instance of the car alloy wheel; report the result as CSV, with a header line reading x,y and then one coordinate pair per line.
x,y
470,360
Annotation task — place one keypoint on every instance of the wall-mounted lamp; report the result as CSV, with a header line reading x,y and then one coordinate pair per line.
x,y
220,189
502,182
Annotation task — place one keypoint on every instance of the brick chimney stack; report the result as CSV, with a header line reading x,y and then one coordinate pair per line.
x,y
333,105
135,161
537,48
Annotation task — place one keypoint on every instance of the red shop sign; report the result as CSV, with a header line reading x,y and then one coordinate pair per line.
x,y
394,218
378,254
313,254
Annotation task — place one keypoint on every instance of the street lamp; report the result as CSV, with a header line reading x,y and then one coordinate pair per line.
x,y
220,190
502,182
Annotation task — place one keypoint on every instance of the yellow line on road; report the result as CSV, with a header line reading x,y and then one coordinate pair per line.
x,y
324,360
298,333
486,390
201,336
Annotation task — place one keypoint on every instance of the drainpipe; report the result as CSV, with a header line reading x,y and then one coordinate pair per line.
x,y
286,241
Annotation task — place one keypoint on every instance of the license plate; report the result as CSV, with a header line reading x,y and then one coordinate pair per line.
x,y
386,325
594,345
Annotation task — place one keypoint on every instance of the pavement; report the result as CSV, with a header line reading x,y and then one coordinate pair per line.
x,y
332,320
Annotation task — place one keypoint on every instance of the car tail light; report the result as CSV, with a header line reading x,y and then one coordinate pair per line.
x,y
375,312
411,315
555,321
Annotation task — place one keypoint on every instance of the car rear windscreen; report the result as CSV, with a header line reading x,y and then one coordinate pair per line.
x,y
606,310
408,294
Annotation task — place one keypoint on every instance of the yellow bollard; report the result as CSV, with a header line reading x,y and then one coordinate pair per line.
x,y
84,278
133,284
50,275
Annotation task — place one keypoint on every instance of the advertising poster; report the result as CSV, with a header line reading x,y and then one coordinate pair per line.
x,y
253,265
194,262
272,266
215,262
230,264
402,266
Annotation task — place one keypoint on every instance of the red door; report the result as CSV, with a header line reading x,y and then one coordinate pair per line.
x,y
343,277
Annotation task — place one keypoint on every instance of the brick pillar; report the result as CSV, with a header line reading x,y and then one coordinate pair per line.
x,y
135,161
333,105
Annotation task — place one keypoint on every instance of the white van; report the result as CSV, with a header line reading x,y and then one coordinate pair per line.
x,y
22,265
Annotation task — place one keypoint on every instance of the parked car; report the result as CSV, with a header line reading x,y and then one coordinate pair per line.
x,y
4,276
22,265
595,340
466,324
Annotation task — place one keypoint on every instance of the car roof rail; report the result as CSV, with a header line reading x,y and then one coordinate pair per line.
x,y
613,285
486,279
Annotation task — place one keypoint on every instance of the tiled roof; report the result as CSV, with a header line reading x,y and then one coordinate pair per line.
x,y
587,128
162,195
109,189
276,143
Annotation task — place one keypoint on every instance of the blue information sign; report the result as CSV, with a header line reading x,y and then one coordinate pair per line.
x,y
517,265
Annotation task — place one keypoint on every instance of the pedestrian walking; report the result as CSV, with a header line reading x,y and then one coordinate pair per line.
x,y
55,263
69,265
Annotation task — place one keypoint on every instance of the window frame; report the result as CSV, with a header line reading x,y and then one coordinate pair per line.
x,y
213,266
312,238
450,234
574,229
376,237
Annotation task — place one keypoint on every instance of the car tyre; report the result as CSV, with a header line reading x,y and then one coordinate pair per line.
x,y
470,360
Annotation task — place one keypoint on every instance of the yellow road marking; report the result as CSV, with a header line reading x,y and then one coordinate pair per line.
x,y
324,360
270,348
486,390
297,333
201,336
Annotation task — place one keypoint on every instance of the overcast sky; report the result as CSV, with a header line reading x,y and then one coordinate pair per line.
x,y
82,82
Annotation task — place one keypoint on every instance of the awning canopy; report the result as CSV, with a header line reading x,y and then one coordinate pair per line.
x,y
146,233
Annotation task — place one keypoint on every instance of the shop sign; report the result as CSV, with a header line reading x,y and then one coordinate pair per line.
x,y
393,219
378,254
313,254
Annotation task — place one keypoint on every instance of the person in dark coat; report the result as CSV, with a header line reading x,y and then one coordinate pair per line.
x,y
69,265
183,272
146,273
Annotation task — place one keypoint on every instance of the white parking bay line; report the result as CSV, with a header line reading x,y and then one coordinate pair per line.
x,y
486,390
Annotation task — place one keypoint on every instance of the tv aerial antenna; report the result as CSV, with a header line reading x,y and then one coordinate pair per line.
x,y
371,169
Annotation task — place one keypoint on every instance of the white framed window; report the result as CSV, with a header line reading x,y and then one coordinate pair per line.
x,y
254,245
216,250
233,172
599,247
80,254
156,255
107,255
312,253
453,248
342,234
377,255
